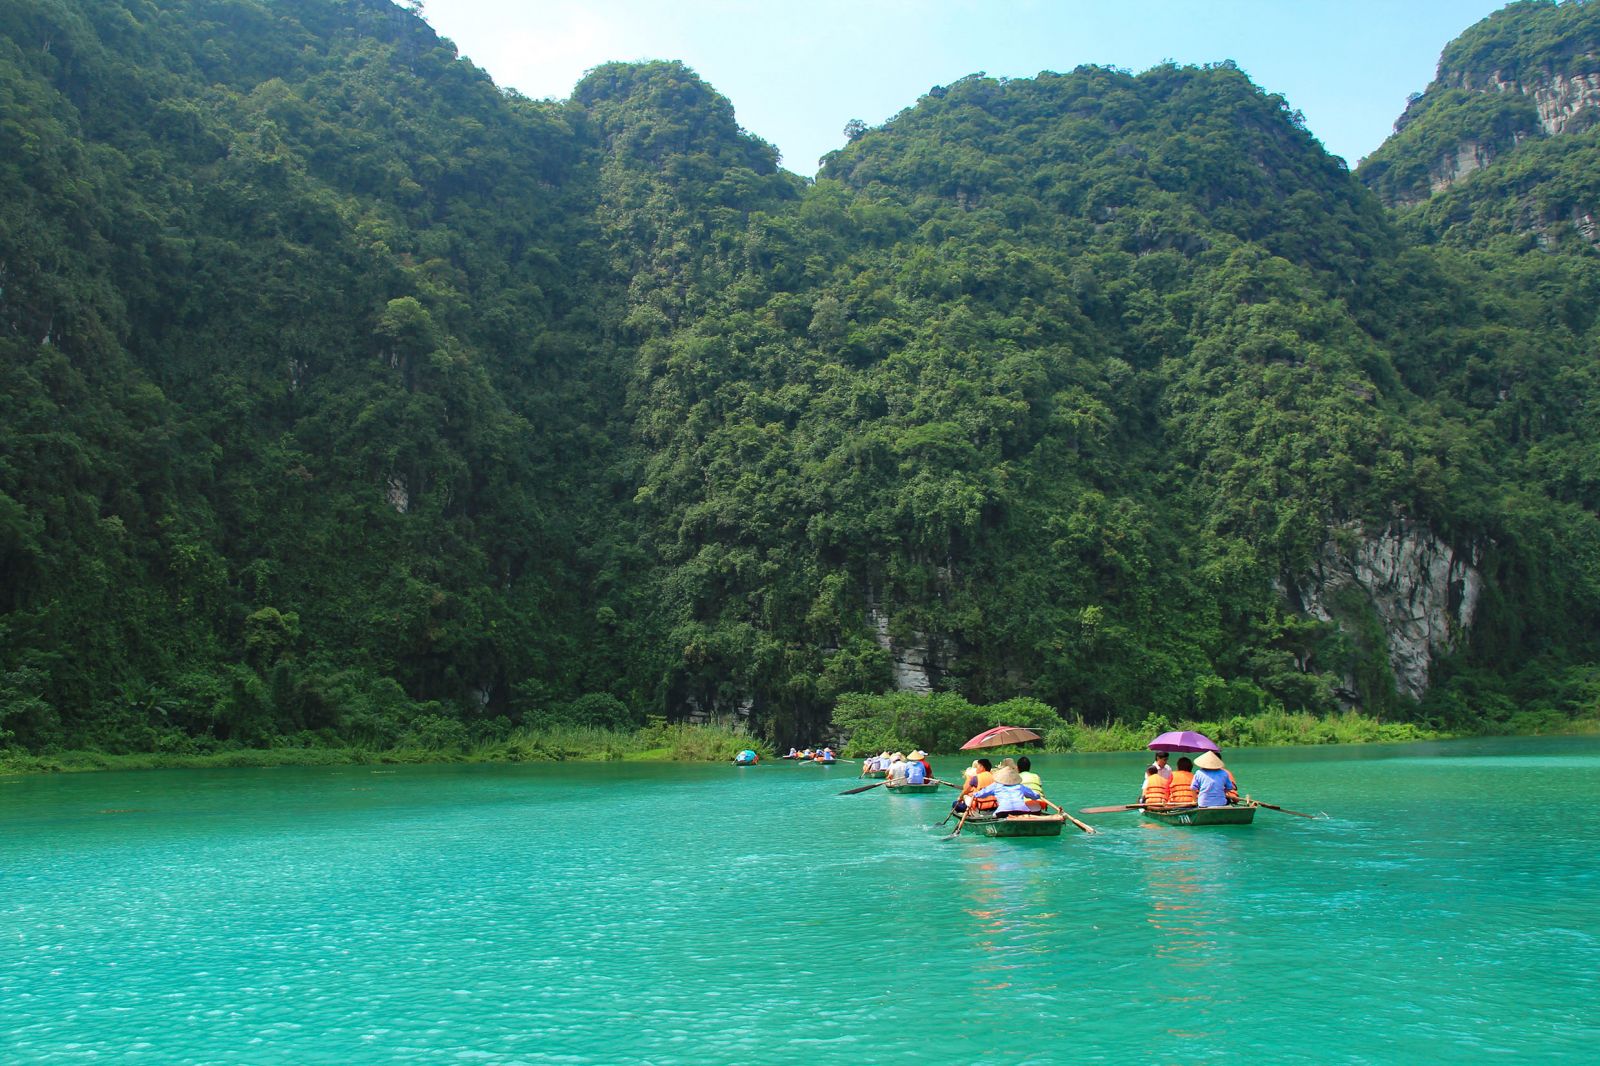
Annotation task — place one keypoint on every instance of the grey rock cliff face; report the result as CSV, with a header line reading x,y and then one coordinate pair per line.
x,y
1453,166
1558,98
912,662
1424,592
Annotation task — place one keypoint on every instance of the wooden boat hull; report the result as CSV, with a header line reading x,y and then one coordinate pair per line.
x,y
1032,825
912,790
1237,814
875,773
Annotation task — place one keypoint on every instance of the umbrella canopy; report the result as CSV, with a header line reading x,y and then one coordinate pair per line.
x,y
1182,740
1001,734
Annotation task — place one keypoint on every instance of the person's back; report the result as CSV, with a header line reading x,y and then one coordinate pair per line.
x,y
1006,795
1210,781
1155,788
915,773
1180,790
1210,788
1031,779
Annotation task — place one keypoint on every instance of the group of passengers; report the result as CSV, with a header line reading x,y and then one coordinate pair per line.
x,y
1008,791
899,768
1202,782
822,754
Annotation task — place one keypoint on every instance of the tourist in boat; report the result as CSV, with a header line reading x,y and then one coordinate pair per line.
x,y
1180,790
980,776
747,757
1211,781
1031,779
1161,767
826,754
920,758
792,754
1009,794
1155,788
897,768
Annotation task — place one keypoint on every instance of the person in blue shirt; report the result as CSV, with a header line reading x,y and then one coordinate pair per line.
x,y
1212,782
1011,795
916,769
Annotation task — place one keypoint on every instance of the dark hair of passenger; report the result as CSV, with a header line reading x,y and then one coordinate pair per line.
x,y
1185,764
1023,765
1151,771
986,764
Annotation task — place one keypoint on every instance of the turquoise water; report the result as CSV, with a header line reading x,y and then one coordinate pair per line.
x,y
1444,910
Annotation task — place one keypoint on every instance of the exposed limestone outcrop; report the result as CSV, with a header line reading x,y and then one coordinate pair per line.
x,y
1565,103
1559,98
913,662
1424,591
1453,166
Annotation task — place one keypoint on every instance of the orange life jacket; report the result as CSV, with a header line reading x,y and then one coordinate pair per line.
x,y
1155,791
1180,790
985,803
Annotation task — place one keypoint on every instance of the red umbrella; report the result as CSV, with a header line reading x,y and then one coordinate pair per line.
x,y
1001,734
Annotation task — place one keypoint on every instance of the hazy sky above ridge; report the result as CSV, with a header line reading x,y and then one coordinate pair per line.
x,y
797,72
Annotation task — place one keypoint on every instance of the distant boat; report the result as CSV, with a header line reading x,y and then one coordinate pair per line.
x,y
874,773
1235,814
1024,825
913,790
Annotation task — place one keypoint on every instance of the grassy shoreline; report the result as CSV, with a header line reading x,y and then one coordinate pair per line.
x,y
700,743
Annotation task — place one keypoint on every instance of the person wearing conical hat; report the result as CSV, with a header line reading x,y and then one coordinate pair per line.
x,y
916,768
920,756
1211,780
1011,796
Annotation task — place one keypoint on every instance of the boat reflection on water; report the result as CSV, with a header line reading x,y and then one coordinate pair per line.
x,y
1008,900
1191,924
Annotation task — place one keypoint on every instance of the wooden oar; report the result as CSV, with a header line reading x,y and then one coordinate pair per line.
x,y
863,788
1285,810
1112,810
1081,825
937,781
961,823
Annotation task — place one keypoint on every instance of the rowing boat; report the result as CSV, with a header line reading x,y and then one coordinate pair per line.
x,y
1022,825
875,773
1236,814
913,790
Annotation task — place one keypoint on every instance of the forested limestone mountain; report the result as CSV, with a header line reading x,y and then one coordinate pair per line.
x,y
1518,94
347,398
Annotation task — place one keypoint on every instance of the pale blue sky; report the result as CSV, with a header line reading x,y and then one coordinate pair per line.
x,y
797,72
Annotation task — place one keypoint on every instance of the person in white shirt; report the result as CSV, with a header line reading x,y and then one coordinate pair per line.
x,y
1161,767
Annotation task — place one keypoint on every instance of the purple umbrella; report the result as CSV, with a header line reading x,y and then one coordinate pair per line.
x,y
1182,740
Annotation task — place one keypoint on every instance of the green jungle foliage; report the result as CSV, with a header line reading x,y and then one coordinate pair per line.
x,y
349,401
1525,40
